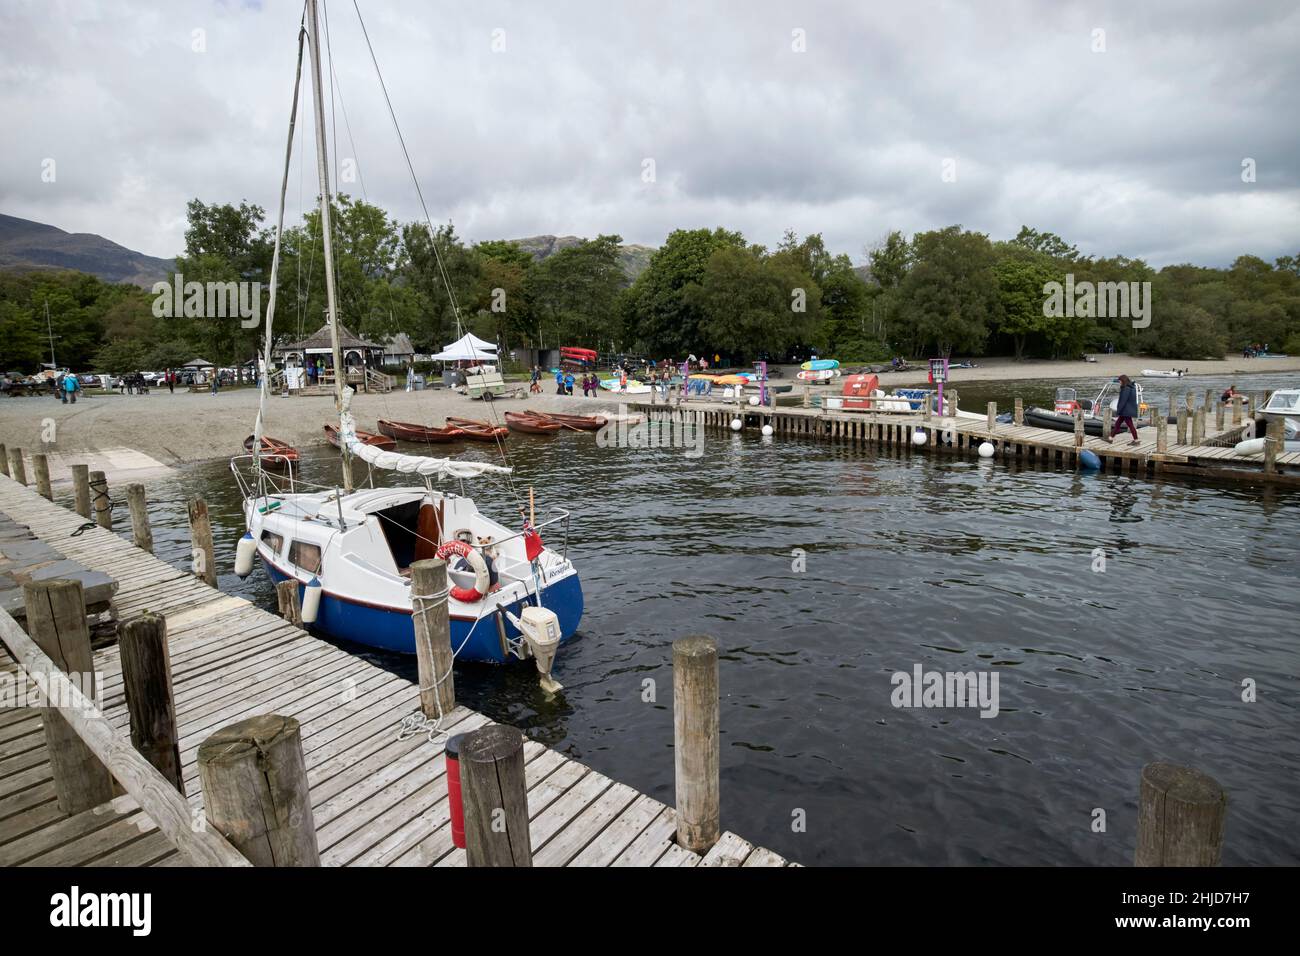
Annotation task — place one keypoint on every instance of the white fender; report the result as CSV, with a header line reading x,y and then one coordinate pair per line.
x,y
1253,447
245,551
311,601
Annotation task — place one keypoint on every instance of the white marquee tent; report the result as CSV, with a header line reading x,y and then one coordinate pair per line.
x,y
469,348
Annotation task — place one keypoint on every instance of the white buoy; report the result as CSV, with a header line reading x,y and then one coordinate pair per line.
x,y
918,437
753,399
245,551
311,601
736,424
767,431
986,449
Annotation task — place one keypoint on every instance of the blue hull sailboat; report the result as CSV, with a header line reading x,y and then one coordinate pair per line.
x,y
350,550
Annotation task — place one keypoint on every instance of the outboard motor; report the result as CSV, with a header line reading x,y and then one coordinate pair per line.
x,y
541,630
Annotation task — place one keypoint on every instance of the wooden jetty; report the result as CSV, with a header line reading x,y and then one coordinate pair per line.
x,y
206,675
1199,445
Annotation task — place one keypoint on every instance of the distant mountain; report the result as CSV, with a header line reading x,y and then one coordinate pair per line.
x,y
633,258
27,246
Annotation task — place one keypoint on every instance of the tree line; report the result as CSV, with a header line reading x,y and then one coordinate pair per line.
x,y
947,291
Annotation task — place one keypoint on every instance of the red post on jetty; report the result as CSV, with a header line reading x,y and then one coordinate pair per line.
x,y
454,801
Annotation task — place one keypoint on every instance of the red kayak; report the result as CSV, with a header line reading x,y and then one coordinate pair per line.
x,y
408,431
367,438
275,453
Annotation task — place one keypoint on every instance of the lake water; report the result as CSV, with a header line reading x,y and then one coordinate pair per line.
x,y
953,565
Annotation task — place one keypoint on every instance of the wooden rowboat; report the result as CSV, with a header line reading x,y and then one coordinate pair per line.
x,y
275,453
477,430
588,423
530,424
368,438
409,431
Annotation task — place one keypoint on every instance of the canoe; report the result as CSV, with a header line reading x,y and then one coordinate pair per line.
x,y
368,438
1043,418
275,453
1157,373
409,431
589,423
476,429
530,424
820,365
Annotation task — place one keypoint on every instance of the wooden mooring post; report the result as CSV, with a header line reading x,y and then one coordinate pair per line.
x,y
141,533
147,681
1107,418
1078,428
56,622
696,744
1274,441
102,503
1181,814
81,489
1236,410
203,557
288,602
17,470
433,637
992,415
41,468
4,461
1182,426
1019,416
495,797
1161,422
255,792
1218,416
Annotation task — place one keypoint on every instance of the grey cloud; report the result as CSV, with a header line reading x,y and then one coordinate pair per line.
x,y
1135,151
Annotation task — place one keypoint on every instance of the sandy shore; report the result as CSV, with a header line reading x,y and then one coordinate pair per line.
x,y
173,429
185,427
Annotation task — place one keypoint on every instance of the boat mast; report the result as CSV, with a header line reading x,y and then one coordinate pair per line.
x,y
54,363
323,171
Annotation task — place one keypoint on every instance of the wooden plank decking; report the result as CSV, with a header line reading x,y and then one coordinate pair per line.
x,y
379,798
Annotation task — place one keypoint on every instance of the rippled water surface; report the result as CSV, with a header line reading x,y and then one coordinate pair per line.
x,y
951,564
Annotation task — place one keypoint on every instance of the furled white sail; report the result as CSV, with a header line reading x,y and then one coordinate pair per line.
x,y
406,464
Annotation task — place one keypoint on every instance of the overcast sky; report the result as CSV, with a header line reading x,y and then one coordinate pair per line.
x,y
1134,150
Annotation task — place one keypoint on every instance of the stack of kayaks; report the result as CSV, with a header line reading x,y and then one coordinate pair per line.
x,y
819,370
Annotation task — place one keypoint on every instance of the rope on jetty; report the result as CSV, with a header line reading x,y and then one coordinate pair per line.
x,y
418,723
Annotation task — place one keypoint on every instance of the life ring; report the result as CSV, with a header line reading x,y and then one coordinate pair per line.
x,y
482,581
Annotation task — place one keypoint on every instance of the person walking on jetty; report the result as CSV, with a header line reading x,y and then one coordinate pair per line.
x,y
1126,409
70,388
559,382
216,381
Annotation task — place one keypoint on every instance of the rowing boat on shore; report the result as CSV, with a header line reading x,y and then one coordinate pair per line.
x,y
588,423
409,431
530,424
368,438
477,430
275,453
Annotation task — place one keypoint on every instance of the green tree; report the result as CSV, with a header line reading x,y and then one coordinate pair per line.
x,y
950,296
660,317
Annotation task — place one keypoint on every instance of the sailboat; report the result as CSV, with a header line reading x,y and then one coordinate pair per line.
x,y
350,549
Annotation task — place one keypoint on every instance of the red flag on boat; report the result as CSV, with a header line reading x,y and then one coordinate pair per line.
x,y
532,541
